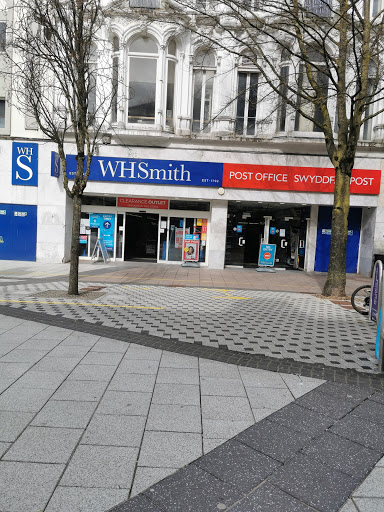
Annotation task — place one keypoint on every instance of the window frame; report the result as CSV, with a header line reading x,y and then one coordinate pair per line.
x,y
203,127
248,70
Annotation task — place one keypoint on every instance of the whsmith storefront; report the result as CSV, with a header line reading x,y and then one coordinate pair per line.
x,y
190,208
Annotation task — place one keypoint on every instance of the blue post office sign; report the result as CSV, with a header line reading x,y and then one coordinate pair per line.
x,y
267,255
24,164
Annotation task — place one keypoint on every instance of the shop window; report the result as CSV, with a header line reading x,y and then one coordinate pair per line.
x,y
201,206
306,93
143,57
247,83
99,200
204,70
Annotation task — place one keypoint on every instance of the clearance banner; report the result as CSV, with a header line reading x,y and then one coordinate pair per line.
x,y
300,179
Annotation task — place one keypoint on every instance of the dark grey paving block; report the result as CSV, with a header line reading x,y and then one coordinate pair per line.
x,y
343,455
238,465
378,397
193,490
268,498
274,440
361,431
313,483
301,419
326,404
372,411
340,390
138,504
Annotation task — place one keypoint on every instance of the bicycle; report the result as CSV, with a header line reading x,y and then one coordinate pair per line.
x,y
361,298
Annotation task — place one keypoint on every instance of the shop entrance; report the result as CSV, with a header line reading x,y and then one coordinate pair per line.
x,y
246,231
141,232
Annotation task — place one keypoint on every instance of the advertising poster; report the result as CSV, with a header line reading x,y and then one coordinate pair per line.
x,y
267,255
106,223
191,250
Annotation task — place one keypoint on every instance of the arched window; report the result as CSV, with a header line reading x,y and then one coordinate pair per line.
x,y
143,57
171,73
246,105
204,69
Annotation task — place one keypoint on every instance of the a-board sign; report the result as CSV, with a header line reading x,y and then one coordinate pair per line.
x,y
100,247
267,255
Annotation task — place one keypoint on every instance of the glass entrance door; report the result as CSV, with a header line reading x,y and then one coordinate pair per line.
x,y
141,236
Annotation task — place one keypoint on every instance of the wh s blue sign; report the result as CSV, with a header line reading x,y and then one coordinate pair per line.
x,y
156,172
24,164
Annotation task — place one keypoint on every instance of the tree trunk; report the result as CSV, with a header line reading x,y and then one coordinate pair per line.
x,y
336,280
73,288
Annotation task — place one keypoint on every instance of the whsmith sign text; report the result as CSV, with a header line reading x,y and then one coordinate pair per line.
x,y
211,174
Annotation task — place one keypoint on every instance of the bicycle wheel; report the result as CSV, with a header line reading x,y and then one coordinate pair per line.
x,y
361,298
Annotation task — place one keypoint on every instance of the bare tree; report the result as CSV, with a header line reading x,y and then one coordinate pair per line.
x,y
61,79
330,81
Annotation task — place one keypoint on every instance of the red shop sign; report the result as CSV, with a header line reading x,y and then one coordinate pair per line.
x,y
140,202
301,179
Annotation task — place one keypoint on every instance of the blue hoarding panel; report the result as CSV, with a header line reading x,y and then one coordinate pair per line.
x,y
156,172
18,228
323,241
24,164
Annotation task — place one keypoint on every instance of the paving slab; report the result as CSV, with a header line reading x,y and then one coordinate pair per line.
x,y
125,403
177,394
101,466
95,372
192,490
146,477
24,400
268,498
12,424
323,488
65,414
169,449
238,465
41,380
343,455
67,499
132,382
43,444
27,487
112,430
174,418
274,440
80,390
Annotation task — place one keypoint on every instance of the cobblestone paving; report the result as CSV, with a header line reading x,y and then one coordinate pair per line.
x,y
282,325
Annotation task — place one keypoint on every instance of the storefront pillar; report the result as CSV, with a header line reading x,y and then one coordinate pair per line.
x,y
218,233
310,243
